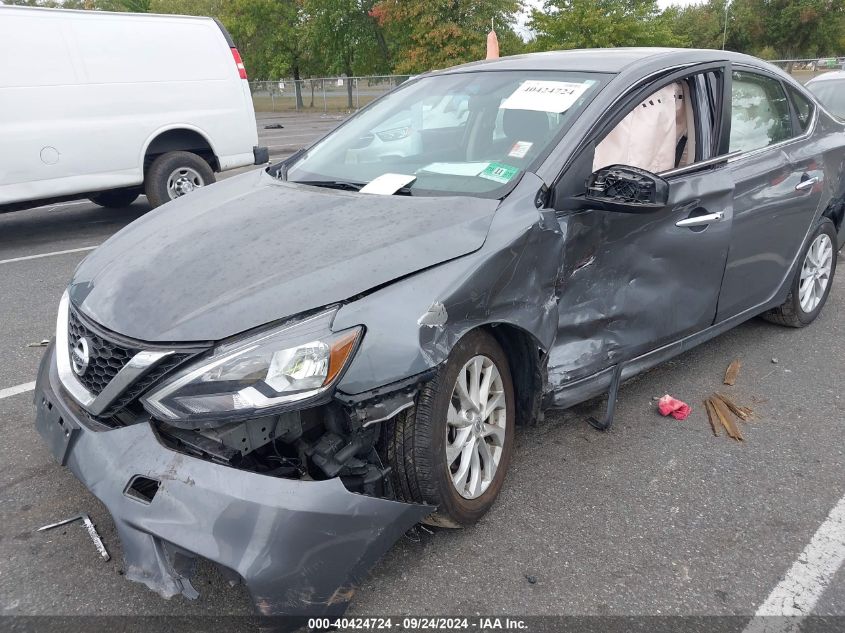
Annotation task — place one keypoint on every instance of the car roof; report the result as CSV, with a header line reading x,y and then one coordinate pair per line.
x,y
833,75
601,60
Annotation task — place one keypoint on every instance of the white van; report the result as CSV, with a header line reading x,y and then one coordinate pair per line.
x,y
112,105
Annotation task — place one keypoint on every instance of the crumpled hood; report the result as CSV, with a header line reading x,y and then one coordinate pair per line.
x,y
251,250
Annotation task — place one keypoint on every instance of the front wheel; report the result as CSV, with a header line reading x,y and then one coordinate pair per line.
x,y
812,281
453,448
175,174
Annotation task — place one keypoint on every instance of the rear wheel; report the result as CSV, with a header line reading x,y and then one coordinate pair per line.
x,y
115,198
453,448
812,281
175,174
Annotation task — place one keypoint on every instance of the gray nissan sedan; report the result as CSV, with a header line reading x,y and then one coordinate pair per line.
x,y
283,372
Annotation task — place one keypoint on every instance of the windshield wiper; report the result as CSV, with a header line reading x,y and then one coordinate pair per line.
x,y
333,184
347,185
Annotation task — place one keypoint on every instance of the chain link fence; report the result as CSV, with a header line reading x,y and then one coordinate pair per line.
x,y
805,69
321,94
346,94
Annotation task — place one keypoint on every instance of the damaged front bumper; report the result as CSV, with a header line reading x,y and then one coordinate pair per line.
x,y
301,547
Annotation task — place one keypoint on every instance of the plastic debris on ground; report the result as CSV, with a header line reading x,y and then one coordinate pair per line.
x,y
667,405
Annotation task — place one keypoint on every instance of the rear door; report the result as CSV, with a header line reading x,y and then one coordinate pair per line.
x,y
778,180
631,283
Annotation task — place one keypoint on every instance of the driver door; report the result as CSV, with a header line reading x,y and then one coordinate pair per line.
x,y
633,282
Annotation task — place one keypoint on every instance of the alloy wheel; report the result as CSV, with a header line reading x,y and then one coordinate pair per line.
x,y
815,273
475,427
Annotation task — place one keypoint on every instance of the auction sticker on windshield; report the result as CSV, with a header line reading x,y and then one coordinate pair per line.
x,y
499,172
545,96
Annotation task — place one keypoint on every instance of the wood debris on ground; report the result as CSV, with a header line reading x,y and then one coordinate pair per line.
x,y
732,372
721,412
743,413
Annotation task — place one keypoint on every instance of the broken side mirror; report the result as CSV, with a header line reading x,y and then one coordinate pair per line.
x,y
627,190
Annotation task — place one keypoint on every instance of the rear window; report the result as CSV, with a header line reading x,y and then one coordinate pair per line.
x,y
759,112
803,107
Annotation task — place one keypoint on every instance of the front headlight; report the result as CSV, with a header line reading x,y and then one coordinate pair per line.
x,y
254,376
395,134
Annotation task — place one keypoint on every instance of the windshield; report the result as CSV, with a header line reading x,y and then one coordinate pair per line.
x,y
831,92
459,134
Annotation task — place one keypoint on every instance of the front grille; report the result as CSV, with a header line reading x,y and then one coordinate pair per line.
x,y
106,358
146,381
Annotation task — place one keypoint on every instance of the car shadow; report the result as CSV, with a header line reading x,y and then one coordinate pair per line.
x,y
54,226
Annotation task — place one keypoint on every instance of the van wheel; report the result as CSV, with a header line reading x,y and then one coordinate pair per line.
x,y
115,198
174,174
452,449
812,281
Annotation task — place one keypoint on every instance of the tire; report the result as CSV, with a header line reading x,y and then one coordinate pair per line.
x,y
162,181
792,312
417,439
115,198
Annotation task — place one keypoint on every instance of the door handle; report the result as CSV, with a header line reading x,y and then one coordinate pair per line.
x,y
806,183
700,220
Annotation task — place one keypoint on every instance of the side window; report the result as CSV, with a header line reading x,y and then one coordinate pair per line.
x,y
759,112
657,135
803,107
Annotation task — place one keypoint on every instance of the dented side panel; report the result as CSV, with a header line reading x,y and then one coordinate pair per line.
x,y
513,280
633,282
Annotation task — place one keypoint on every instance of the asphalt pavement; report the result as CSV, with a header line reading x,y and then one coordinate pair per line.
x,y
656,517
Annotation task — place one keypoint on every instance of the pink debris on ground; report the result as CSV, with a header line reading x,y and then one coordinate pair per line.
x,y
668,405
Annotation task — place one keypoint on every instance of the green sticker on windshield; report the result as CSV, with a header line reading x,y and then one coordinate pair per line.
x,y
499,172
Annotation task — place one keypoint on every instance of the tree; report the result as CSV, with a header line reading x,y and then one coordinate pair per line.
x,y
133,6
793,28
270,35
766,28
347,37
698,25
55,4
211,8
600,24
440,33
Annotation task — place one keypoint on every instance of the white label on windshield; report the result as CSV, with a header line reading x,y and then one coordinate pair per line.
x,y
545,96
455,169
387,184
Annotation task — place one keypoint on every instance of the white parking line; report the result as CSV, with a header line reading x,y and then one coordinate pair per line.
x,y
13,391
50,207
805,582
39,256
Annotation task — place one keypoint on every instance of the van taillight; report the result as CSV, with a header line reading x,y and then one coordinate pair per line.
x,y
239,63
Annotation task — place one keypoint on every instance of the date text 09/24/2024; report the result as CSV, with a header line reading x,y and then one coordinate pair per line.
x,y
419,623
